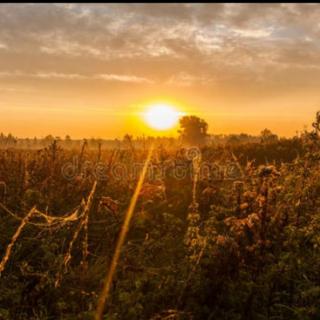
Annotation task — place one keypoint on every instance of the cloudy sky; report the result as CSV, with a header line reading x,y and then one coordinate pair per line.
x,y
88,69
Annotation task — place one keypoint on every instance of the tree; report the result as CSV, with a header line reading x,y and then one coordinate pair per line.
x,y
49,139
193,130
68,140
316,124
267,136
233,139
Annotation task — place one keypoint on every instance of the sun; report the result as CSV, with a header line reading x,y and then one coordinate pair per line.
x,y
162,116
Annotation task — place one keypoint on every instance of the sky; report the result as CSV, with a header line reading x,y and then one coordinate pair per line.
x,y
89,70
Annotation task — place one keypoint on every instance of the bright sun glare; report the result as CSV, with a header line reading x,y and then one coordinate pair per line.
x,y
161,116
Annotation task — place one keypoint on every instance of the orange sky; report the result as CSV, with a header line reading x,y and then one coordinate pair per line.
x,y
89,69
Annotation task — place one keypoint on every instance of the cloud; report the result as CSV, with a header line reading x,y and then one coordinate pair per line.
x,y
75,76
3,46
60,47
17,89
122,78
237,43
56,75
254,33
184,79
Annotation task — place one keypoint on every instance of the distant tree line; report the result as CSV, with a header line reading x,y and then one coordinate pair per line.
x,y
193,132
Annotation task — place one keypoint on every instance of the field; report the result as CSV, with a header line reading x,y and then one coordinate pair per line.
x,y
218,232
159,161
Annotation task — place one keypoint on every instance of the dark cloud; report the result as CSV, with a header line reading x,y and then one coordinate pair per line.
x,y
220,41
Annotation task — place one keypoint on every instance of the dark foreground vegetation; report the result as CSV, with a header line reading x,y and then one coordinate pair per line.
x,y
233,234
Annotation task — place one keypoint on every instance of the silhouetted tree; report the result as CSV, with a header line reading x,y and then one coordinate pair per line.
x,y
128,139
48,139
233,139
68,140
193,130
267,136
316,124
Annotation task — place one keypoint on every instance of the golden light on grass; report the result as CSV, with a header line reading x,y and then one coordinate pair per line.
x,y
161,116
121,239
